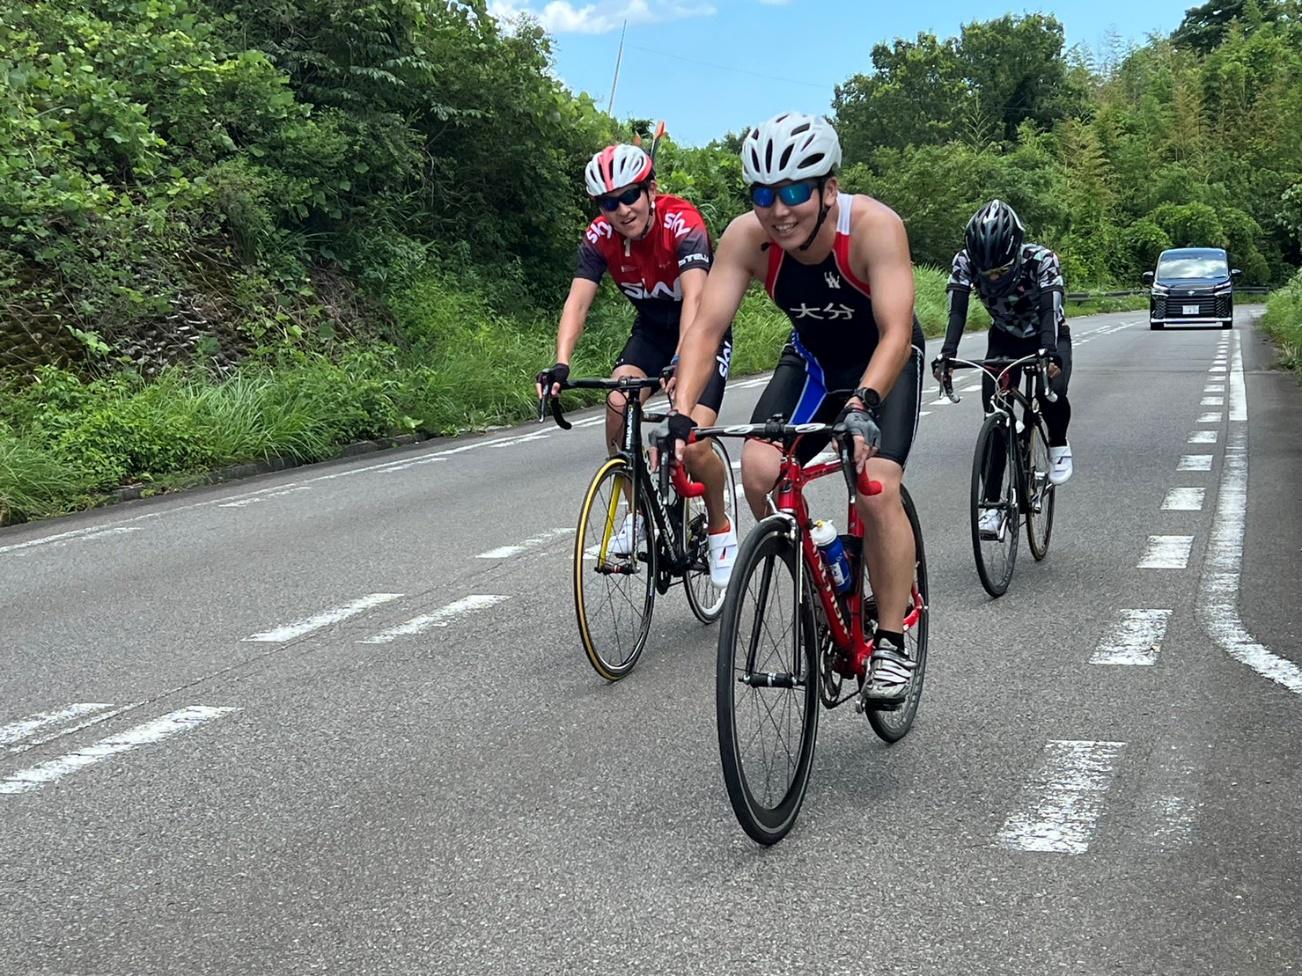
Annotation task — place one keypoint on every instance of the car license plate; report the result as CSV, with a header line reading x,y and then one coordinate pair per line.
x,y
1191,310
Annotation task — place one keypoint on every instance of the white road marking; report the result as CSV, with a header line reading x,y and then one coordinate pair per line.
x,y
1217,369
736,465
17,731
95,720
75,534
1195,462
1218,596
1184,500
1066,799
505,552
924,413
298,629
1204,437
1211,418
1214,388
244,502
1212,401
1135,638
26,780
1167,552
439,618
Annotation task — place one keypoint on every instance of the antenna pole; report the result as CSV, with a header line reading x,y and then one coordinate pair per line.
x,y
610,108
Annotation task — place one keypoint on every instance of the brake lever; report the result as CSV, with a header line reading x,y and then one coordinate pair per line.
x,y
559,416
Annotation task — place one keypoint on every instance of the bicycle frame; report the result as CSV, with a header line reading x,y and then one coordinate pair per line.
x,y
1007,397
630,450
845,624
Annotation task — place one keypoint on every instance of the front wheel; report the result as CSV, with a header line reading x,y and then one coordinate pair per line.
x,y
614,571
1040,493
706,602
766,683
994,506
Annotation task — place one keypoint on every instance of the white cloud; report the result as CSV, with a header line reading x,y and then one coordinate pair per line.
x,y
563,17
775,3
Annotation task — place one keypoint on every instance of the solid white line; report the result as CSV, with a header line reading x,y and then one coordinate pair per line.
x,y
439,618
21,729
1067,799
26,780
1135,638
291,631
1167,552
90,533
505,552
1211,418
1204,437
1218,597
1184,500
1212,401
258,500
1195,462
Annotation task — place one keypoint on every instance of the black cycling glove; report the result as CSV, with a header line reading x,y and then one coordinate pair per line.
x,y
861,420
556,374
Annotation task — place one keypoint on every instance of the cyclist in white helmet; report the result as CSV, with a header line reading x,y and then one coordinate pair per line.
x,y
656,247
838,264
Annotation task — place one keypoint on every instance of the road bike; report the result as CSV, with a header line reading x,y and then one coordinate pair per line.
x,y
617,575
791,644
1010,466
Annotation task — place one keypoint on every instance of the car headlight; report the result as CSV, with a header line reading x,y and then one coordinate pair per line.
x,y
1161,290
1224,289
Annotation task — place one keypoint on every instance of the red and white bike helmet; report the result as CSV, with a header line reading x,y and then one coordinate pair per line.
x,y
617,166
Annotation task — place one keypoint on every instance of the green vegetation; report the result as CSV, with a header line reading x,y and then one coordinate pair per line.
x,y
1283,320
232,230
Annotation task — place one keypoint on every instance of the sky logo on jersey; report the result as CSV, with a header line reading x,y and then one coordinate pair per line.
x,y
676,223
636,290
599,229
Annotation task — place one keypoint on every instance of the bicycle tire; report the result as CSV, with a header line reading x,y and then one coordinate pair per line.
x,y
706,601
995,558
1040,493
891,726
766,813
613,650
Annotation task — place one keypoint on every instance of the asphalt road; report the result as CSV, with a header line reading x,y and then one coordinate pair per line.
x,y
221,750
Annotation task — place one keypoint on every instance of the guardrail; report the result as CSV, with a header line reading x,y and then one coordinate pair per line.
x,y
1085,296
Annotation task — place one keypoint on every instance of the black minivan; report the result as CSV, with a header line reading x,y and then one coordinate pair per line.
x,y
1192,285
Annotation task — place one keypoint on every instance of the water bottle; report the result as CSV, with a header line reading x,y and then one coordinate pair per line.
x,y
838,564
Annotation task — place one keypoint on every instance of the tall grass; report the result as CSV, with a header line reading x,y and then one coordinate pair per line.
x,y
1283,321
454,364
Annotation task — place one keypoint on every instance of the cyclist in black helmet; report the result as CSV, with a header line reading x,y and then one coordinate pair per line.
x,y
1021,286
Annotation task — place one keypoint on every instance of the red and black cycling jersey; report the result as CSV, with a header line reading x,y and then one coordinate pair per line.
x,y
647,270
831,310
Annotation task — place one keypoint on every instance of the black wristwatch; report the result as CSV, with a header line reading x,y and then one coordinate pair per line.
x,y
871,398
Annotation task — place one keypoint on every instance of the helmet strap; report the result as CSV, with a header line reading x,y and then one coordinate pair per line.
x,y
823,210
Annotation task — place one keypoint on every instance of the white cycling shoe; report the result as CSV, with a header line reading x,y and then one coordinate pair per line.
x,y
1060,467
723,553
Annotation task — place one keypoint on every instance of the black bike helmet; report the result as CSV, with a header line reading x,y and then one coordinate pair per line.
x,y
994,244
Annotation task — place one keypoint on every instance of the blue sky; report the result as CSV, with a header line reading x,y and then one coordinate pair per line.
x,y
711,66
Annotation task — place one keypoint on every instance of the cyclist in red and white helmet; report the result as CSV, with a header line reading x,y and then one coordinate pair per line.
x,y
656,247
838,265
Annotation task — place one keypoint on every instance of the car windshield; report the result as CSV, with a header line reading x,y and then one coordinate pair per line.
x,y
1192,266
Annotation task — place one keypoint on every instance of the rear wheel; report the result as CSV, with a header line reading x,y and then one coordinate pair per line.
x,y
614,585
706,602
1040,493
766,684
994,491
894,724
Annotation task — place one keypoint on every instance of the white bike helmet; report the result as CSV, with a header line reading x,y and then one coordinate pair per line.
x,y
617,166
790,146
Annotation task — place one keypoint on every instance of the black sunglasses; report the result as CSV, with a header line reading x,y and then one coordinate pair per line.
x,y
628,198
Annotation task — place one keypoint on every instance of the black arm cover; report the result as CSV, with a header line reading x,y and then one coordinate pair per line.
x,y
958,300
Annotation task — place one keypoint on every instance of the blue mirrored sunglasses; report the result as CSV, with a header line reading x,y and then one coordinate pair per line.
x,y
628,198
793,194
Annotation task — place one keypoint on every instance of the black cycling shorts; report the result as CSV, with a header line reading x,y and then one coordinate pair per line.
x,y
796,393
651,349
